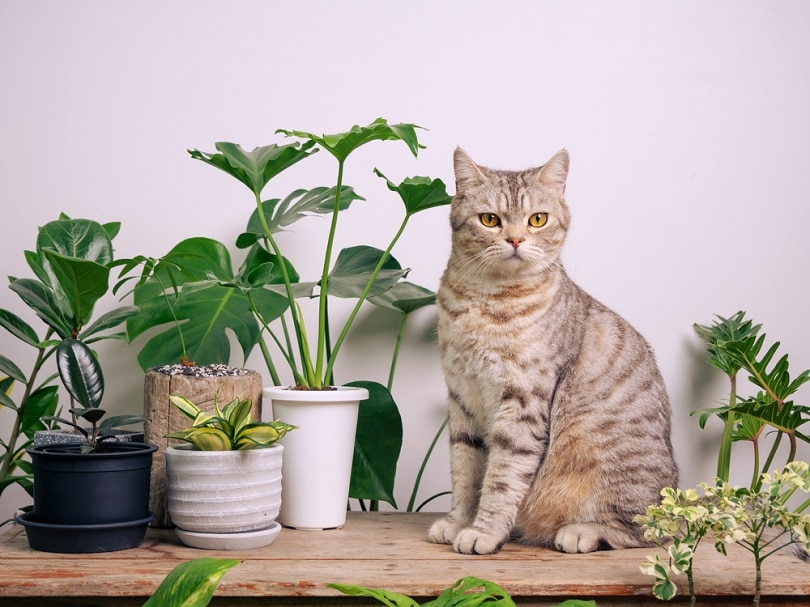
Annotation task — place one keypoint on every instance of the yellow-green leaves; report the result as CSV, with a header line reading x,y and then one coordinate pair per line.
x,y
230,428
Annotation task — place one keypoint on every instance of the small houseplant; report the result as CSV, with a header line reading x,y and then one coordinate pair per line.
x,y
195,290
71,265
224,488
91,497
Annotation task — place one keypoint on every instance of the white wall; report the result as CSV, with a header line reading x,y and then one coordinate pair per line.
x,y
686,121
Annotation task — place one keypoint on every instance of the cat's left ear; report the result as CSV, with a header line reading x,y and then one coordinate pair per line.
x,y
555,172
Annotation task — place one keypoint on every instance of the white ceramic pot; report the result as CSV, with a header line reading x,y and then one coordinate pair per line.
x,y
223,492
318,454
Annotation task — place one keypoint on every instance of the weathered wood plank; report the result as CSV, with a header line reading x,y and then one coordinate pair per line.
x,y
381,550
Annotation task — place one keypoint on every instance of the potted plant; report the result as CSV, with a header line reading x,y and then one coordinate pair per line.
x,y
263,303
91,497
71,265
224,487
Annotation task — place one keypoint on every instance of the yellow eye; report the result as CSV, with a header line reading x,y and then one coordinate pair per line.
x,y
538,220
490,220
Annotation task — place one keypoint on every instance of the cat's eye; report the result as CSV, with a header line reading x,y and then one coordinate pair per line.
x,y
490,220
538,220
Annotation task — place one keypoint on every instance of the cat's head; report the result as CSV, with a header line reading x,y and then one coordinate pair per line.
x,y
509,223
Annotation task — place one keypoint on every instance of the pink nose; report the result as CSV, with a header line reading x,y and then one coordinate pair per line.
x,y
515,241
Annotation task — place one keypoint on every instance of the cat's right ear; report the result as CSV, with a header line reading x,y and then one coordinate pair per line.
x,y
468,174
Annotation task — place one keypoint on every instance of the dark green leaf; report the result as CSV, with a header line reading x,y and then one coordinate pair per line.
x,y
386,597
78,238
109,320
80,372
18,328
117,421
41,300
40,403
354,268
81,282
13,371
419,193
191,584
377,445
404,297
340,145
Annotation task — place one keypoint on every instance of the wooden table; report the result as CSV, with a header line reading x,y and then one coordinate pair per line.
x,y
378,550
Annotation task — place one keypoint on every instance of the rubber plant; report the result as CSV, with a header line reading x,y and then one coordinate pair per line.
x,y
195,291
71,265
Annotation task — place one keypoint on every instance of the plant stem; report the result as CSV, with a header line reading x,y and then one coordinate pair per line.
x,y
395,356
322,294
691,581
297,319
425,459
364,295
755,480
269,362
724,457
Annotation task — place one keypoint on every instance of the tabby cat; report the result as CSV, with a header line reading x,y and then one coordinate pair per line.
x,y
559,418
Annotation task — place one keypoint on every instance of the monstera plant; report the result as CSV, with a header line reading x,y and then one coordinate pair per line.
x,y
196,296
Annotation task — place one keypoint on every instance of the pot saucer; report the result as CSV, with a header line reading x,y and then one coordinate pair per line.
x,y
229,541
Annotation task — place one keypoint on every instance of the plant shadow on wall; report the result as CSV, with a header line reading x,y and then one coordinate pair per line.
x,y
760,517
196,297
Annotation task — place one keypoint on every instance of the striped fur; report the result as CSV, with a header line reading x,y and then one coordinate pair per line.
x,y
559,419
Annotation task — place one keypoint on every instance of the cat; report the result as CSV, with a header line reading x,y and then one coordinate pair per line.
x,y
559,417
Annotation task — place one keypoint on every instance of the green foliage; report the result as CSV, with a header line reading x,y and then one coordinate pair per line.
x,y
191,584
71,266
735,344
466,592
231,428
759,520
81,376
194,291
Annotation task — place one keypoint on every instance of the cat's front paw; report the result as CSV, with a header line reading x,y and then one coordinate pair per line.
x,y
444,531
475,541
577,538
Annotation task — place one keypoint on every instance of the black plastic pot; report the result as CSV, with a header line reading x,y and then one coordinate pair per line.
x,y
97,494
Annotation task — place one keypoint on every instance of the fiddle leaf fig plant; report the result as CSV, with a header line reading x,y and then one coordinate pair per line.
x,y
71,265
197,294
231,428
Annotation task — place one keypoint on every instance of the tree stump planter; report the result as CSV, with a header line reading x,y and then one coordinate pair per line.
x,y
201,385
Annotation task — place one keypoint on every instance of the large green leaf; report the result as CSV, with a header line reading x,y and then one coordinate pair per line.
x,y
18,328
257,167
419,193
206,314
191,584
377,445
404,297
7,367
340,145
81,282
80,372
78,238
301,203
354,268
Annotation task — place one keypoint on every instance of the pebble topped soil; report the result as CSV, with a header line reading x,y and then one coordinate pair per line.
x,y
205,371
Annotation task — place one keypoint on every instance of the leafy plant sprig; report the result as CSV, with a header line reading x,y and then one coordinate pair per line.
x,y
759,520
734,345
231,428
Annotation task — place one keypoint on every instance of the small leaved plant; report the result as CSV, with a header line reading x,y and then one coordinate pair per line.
x,y
758,520
231,428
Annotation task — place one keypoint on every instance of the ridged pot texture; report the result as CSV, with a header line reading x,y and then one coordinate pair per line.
x,y
223,491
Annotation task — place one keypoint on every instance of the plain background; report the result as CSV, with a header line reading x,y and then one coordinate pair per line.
x,y
687,123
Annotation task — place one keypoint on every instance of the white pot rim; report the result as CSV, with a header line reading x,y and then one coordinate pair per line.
x,y
338,394
235,453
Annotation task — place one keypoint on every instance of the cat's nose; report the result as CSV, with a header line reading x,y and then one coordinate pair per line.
x,y
515,242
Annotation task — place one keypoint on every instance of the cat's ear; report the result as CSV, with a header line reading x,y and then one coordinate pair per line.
x,y
468,174
555,171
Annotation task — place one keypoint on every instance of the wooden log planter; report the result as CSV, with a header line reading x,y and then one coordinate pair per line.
x,y
201,385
